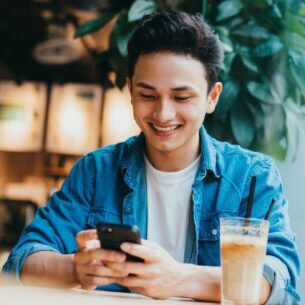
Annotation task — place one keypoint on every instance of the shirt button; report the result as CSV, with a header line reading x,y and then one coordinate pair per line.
x,y
128,210
214,232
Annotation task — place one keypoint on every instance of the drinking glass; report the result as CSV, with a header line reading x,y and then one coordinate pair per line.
x,y
243,248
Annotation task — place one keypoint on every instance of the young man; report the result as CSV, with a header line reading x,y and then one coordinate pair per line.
x,y
174,181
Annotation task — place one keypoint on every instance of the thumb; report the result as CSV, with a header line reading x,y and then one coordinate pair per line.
x,y
87,239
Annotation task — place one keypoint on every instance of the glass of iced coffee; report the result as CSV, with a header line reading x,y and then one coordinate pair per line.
x,y
243,248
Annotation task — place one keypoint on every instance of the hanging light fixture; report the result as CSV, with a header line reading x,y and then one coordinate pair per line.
x,y
59,47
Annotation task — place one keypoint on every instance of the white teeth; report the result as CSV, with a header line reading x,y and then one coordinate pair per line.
x,y
170,128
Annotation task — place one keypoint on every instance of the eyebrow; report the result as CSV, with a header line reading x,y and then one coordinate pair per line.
x,y
146,86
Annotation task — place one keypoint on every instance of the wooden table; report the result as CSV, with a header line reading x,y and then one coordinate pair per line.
x,y
29,295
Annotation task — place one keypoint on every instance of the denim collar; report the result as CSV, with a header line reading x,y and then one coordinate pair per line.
x,y
133,162
208,160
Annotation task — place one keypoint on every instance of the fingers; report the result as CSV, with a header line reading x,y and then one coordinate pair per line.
x,y
100,255
133,282
142,270
90,282
90,260
130,268
91,272
89,249
85,237
103,271
147,251
149,243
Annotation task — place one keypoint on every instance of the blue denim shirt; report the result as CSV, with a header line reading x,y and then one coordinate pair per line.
x,y
109,185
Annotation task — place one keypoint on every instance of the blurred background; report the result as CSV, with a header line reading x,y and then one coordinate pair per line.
x,y
63,91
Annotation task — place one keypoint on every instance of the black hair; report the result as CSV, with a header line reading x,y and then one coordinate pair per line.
x,y
180,33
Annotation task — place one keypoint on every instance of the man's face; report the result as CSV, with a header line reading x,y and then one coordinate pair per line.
x,y
170,100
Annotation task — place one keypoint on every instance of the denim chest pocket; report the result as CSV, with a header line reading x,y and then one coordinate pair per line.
x,y
209,238
210,227
102,214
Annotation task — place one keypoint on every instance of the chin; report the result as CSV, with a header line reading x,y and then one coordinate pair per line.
x,y
165,147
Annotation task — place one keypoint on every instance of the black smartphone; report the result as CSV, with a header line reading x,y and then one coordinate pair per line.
x,y
112,235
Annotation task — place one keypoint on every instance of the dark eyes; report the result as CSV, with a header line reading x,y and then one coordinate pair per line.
x,y
181,98
176,98
148,96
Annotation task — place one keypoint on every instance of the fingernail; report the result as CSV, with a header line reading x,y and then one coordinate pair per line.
x,y
125,247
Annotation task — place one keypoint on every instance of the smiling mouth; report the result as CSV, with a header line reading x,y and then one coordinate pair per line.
x,y
165,129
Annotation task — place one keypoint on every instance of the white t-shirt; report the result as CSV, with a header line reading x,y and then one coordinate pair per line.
x,y
168,199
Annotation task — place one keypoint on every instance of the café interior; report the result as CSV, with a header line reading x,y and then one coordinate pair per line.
x,y
57,104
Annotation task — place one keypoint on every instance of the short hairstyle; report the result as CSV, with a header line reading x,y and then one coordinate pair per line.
x,y
180,33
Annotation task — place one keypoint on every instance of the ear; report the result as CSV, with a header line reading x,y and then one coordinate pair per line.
x,y
213,97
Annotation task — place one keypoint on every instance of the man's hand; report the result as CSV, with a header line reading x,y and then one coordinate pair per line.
x,y
159,276
90,262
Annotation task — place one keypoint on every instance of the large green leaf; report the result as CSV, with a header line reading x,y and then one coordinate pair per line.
x,y
122,32
227,99
251,30
297,68
301,19
242,124
93,25
275,11
250,64
276,149
271,137
204,7
293,130
294,42
294,25
260,4
261,92
234,22
268,48
227,63
226,44
190,6
274,123
140,8
302,10
247,59
293,6
228,8
278,84
224,38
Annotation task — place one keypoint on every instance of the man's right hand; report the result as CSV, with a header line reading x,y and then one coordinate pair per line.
x,y
90,262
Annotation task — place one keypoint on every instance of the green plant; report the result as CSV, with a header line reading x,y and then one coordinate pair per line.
x,y
263,102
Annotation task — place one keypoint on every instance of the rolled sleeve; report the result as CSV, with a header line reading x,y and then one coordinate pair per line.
x,y
277,275
12,268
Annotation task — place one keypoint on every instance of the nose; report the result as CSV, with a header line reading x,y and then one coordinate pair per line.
x,y
164,111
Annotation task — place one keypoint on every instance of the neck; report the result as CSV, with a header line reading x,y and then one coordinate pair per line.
x,y
172,161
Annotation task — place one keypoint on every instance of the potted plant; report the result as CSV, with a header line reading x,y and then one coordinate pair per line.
x,y
262,106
